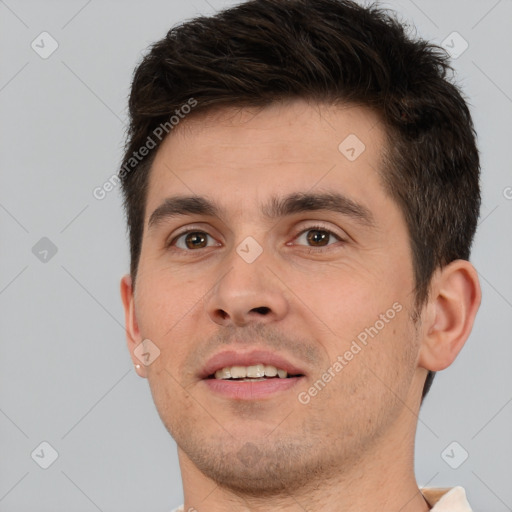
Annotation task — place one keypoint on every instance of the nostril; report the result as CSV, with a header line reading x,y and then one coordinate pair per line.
x,y
263,310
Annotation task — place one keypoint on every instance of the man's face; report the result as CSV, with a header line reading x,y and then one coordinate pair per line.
x,y
244,281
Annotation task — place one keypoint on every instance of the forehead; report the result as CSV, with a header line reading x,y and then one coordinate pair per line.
x,y
244,155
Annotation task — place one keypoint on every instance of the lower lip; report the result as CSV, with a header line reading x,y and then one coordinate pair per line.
x,y
251,390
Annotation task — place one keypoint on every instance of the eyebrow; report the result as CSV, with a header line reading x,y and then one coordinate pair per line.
x,y
276,207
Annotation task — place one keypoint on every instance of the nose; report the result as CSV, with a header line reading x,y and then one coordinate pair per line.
x,y
247,292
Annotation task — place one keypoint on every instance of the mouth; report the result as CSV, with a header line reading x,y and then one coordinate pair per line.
x,y
254,373
254,364
250,375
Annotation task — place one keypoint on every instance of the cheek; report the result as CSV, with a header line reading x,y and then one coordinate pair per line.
x,y
346,298
379,369
163,298
165,306
362,317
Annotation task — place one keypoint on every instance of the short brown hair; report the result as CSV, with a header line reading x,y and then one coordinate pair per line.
x,y
331,51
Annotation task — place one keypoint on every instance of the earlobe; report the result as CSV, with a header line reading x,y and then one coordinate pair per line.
x,y
453,304
133,337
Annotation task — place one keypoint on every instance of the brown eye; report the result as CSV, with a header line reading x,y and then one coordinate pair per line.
x,y
191,240
318,237
195,239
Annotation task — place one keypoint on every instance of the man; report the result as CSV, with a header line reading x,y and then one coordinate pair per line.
x,y
301,185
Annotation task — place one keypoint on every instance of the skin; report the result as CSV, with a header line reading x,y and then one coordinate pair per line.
x,y
351,447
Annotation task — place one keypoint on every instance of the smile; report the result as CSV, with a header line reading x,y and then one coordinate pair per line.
x,y
256,372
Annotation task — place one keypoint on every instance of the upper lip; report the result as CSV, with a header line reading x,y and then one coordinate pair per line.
x,y
248,358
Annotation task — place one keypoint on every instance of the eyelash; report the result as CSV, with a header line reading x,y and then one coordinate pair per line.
x,y
309,228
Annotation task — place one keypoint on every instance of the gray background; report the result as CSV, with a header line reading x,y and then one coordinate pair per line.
x,y
65,374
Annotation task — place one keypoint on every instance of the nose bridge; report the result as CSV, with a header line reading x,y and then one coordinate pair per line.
x,y
247,290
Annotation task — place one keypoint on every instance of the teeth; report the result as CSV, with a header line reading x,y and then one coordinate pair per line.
x,y
254,372
225,373
238,372
270,371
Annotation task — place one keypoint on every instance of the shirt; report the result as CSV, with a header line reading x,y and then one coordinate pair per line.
x,y
441,499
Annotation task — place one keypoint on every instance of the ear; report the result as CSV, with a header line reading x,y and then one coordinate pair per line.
x,y
448,317
133,337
